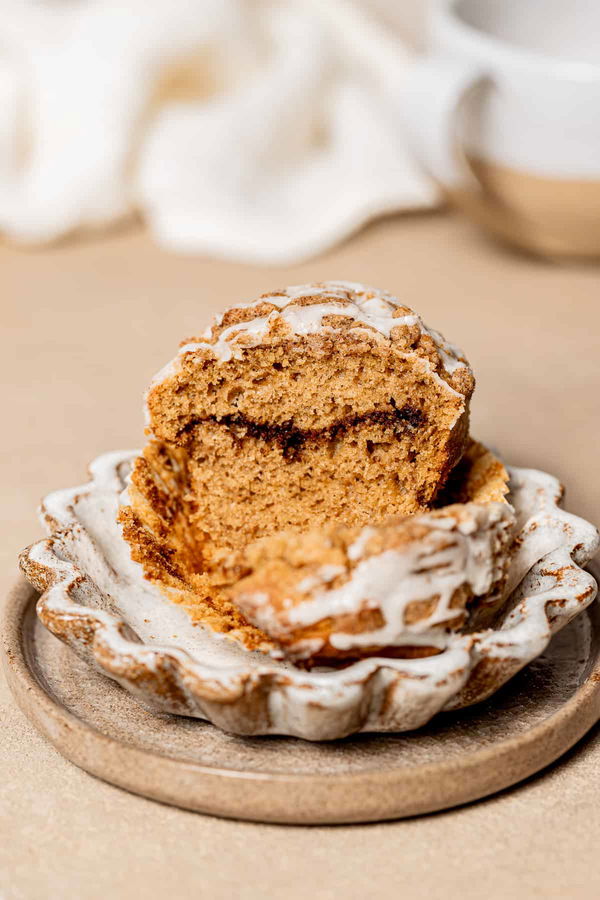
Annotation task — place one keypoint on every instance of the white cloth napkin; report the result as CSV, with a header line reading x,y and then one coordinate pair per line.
x,y
245,129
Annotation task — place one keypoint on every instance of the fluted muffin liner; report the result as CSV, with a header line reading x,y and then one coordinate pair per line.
x,y
96,599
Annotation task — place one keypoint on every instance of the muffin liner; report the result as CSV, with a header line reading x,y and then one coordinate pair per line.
x,y
96,599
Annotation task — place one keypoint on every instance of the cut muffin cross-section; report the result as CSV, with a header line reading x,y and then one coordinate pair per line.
x,y
328,402
303,425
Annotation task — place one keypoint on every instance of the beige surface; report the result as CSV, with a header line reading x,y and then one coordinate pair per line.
x,y
83,328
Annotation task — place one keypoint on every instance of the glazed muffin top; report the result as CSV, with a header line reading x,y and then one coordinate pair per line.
x,y
342,310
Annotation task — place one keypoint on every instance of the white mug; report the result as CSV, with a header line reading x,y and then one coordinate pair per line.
x,y
504,113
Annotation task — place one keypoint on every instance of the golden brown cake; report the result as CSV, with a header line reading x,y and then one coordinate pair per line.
x,y
300,427
326,403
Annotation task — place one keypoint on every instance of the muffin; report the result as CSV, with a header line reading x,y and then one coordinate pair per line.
x,y
295,422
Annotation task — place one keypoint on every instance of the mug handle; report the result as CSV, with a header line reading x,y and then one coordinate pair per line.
x,y
435,90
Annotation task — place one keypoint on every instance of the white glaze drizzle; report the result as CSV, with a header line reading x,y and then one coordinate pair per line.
x,y
453,553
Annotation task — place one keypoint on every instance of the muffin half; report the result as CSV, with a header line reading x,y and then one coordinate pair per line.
x,y
329,402
309,421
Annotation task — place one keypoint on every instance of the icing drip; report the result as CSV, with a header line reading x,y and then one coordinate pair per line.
x,y
370,309
453,554
366,306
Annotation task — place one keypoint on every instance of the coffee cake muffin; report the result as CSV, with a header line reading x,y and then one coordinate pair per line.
x,y
300,427
340,592
325,403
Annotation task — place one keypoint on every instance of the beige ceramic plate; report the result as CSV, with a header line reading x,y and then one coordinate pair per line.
x,y
459,757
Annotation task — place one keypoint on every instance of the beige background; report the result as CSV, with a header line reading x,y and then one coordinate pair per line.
x,y
83,328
